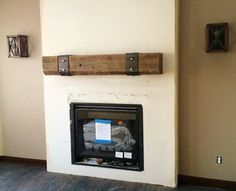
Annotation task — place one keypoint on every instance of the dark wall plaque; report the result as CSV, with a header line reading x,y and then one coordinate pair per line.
x,y
17,46
217,37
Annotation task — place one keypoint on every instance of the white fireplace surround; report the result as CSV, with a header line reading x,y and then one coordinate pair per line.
x,y
104,27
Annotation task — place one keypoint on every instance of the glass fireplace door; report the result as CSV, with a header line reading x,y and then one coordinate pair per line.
x,y
108,135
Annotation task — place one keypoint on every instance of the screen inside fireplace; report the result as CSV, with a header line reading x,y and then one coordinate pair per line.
x,y
107,135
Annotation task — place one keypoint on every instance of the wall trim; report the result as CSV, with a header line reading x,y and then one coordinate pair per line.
x,y
22,160
199,181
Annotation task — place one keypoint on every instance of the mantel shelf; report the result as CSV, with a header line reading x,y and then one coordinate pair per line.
x,y
110,64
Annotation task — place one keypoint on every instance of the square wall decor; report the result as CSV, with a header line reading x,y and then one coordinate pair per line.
x,y
17,46
217,37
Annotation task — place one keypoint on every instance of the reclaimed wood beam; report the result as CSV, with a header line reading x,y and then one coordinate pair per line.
x,y
148,63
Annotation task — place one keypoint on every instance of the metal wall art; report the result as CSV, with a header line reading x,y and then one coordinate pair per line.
x,y
217,37
17,46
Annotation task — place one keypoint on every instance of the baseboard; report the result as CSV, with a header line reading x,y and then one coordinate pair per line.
x,y
22,160
199,181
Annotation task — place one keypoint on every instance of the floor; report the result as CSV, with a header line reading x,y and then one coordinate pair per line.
x,y
25,177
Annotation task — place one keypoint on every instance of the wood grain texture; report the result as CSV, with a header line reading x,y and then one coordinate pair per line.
x,y
149,63
50,66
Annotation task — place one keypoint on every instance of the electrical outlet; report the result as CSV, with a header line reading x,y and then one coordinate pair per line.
x,y
219,159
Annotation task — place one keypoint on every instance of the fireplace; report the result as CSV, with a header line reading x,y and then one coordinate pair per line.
x,y
107,135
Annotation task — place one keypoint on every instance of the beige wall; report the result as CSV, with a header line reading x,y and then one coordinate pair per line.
x,y
21,82
1,141
102,27
207,92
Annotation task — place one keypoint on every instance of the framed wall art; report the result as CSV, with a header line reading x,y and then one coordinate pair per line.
x,y
217,37
17,46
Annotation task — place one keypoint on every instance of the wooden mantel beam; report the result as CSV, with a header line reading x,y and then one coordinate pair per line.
x,y
148,63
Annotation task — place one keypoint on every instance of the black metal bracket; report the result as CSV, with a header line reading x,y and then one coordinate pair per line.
x,y
63,65
132,60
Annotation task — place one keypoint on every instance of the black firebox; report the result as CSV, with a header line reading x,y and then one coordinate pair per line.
x,y
107,135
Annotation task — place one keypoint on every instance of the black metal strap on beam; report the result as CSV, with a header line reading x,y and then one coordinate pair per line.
x,y
63,65
132,64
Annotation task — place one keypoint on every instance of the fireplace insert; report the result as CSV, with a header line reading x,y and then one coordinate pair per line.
x,y
107,135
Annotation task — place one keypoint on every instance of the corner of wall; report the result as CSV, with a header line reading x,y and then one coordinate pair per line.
x,y
177,5
1,137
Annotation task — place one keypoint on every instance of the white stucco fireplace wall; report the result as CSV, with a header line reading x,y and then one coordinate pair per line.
x,y
103,27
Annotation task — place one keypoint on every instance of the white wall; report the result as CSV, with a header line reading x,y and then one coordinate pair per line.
x,y
21,82
105,26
